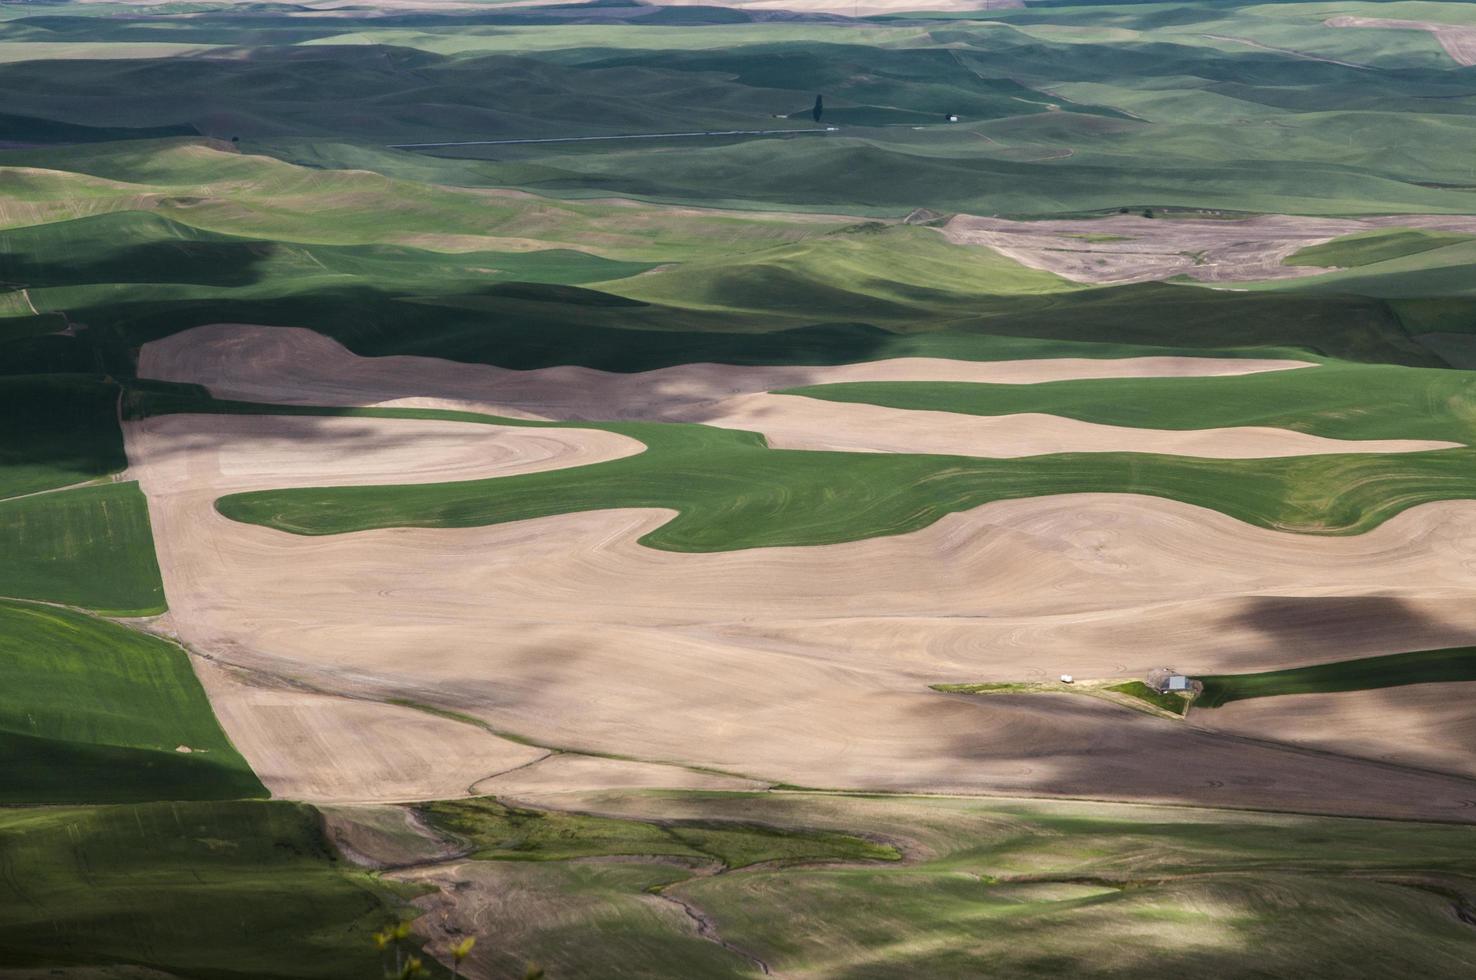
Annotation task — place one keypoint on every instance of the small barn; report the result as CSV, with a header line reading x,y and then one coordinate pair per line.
x,y
1166,679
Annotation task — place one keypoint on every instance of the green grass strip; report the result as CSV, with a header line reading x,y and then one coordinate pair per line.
x,y
92,712
1365,674
90,547
1367,248
1337,401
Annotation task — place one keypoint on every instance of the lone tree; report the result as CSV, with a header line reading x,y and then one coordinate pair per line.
x,y
819,109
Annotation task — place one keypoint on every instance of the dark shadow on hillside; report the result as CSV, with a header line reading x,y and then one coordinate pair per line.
x,y
274,85
35,131
1075,746
55,431
201,263
520,326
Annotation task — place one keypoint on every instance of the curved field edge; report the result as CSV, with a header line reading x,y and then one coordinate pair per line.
x,y
731,491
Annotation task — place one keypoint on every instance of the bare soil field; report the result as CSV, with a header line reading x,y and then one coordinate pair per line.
x,y
295,366
563,773
325,749
1130,248
803,665
1459,42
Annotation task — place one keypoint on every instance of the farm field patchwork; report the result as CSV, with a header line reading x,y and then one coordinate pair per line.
x,y
730,492
649,490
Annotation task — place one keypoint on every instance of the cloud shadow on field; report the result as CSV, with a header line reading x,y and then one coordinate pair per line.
x,y
1310,629
1072,746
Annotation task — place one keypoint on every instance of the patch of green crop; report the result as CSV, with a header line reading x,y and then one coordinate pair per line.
x,y
91,712
998,687
90,547
1447,666
498,831
1159,699
218,891
1335,400
1368,248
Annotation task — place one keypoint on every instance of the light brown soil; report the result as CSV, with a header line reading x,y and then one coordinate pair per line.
x,y
1458,41
565,773
325,749
306,745
1207,249
795,422
803,665
299,366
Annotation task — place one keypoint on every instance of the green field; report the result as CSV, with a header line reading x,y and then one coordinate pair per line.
x,y
1365,674
89,547
215,891
95,713
1372,247
1335,400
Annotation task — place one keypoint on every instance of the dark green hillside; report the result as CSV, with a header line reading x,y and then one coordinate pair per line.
x,y
216,891
56,430
95,713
